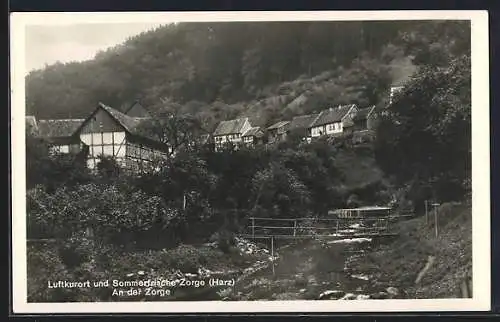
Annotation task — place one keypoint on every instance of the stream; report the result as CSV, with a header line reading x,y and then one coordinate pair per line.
x,y
312,270
308,269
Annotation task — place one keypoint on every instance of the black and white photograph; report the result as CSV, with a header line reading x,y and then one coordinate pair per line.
x,y
250,162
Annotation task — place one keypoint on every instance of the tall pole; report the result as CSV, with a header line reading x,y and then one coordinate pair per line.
x,y
272,252
253,229
435,220
426,214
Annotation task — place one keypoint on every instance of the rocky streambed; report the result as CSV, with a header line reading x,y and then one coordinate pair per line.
x,y
303,270
314,270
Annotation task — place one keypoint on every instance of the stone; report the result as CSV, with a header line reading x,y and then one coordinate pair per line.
x,y
392,291
331,295
349,296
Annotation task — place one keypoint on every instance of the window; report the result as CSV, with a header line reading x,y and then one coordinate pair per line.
x,y
60,149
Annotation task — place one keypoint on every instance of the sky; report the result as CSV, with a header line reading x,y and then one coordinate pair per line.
x,y
47,44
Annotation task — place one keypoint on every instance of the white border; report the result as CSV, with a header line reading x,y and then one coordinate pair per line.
x,y
480,166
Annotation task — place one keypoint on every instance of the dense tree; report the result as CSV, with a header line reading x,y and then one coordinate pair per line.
x,y
425,135
173,128
233,62
436,42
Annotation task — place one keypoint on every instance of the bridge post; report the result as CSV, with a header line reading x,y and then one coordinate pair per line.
x,y
272,252
253,229
294,227
426,213
435,205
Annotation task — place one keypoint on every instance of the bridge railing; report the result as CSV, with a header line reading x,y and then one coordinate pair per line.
x,y
307,227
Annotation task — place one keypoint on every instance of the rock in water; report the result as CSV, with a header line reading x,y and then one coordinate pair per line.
x,y
362,297
331,295
349,296
392,291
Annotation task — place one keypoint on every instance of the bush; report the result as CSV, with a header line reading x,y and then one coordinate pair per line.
x,y
109,211
225,240
44,262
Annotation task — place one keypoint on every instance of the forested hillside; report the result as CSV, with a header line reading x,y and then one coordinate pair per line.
x,y
262,70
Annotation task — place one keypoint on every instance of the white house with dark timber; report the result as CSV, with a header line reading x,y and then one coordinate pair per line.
x,y
332,120
231,132
277,131
253,136
105,132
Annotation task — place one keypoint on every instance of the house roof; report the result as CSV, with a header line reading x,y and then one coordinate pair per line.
x,y
364,113
254,131
348,123
136,109
128,122
302,121
230,127
278,125
332,115
205,138
58,128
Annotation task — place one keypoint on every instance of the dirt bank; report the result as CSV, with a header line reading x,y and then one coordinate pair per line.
x,y
417,262
414,264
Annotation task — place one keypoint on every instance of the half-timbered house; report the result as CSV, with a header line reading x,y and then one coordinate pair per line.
x,y
106,132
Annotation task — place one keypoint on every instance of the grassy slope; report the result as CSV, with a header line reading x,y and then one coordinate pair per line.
x,y
399,263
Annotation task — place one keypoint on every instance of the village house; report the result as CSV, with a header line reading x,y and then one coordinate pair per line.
x,y
253,136
364,119
301,125
60,134
331,121
395,89
277,131
231,132
105,132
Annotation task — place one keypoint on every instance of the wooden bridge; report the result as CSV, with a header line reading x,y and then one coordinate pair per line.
x,y
331,228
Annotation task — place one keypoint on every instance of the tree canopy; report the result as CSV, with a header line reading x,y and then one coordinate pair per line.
x,y
228,69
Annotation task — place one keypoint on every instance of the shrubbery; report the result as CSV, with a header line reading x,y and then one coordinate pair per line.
x,y
103,209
